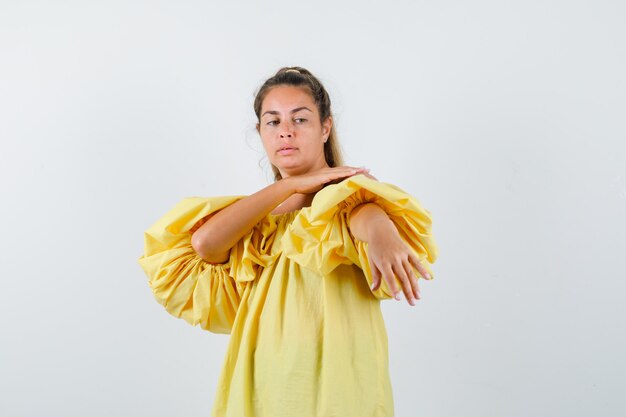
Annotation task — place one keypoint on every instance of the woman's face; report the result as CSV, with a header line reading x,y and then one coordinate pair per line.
x,y
292,134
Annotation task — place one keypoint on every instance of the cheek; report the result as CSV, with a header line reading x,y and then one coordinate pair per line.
x,y
267,148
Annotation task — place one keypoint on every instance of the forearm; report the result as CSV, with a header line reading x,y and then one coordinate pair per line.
x,y
214,239
368,220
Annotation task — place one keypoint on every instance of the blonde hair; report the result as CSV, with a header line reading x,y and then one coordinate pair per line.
x,y
301,77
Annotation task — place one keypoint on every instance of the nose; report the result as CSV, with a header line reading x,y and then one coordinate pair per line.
x,y
287,130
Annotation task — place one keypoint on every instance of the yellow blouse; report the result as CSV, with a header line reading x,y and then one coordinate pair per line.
x,y
307,333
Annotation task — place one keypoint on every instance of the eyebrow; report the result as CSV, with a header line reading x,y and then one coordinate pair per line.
x,y
292,112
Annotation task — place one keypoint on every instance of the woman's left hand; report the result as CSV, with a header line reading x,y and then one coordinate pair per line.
x,y
390,257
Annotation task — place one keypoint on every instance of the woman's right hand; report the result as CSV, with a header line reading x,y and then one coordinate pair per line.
x,y
214,239
314,181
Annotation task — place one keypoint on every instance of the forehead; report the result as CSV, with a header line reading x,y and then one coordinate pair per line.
x,y
287,97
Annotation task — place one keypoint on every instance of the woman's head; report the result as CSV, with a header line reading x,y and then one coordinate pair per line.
x,y
309,130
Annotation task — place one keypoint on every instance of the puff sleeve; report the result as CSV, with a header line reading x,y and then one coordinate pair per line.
x,y
320,238
185,284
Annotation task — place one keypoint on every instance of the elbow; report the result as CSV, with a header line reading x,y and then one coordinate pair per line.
x,y
205,248
197,243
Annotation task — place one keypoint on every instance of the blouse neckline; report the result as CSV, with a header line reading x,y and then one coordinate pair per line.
x,y
293,213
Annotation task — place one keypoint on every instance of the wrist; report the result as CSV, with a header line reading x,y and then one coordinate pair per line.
x,y
380,226
369,221
285,187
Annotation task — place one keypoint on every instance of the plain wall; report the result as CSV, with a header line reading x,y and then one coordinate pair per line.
x,y
505,119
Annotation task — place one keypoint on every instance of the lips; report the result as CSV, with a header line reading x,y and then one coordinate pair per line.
x,y
286,150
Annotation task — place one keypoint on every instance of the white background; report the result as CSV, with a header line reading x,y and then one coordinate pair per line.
x,y
506,119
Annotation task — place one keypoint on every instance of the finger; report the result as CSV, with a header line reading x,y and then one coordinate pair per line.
x,y
420,268
398,269
368,175
364,171
412,278
352,170
346,168
389,278
341,172
375,277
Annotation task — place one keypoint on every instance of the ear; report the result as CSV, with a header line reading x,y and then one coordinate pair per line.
x,y
328,123
258,126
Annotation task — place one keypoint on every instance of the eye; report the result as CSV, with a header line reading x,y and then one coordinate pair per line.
x,y
302,120
271,122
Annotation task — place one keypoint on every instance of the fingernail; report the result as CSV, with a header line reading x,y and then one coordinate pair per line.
x,y
427,276
397,296
412,301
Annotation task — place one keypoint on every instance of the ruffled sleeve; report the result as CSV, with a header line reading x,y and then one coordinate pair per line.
x,y
185,284
319,237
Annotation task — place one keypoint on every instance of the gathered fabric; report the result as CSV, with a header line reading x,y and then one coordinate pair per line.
x,y
307,336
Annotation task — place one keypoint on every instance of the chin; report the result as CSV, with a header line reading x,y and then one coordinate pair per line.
x,y
292,170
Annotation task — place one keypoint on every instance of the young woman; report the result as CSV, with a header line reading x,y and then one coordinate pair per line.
x,y
295,272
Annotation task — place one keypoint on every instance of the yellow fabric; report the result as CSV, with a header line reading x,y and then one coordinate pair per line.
x,y
307,333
